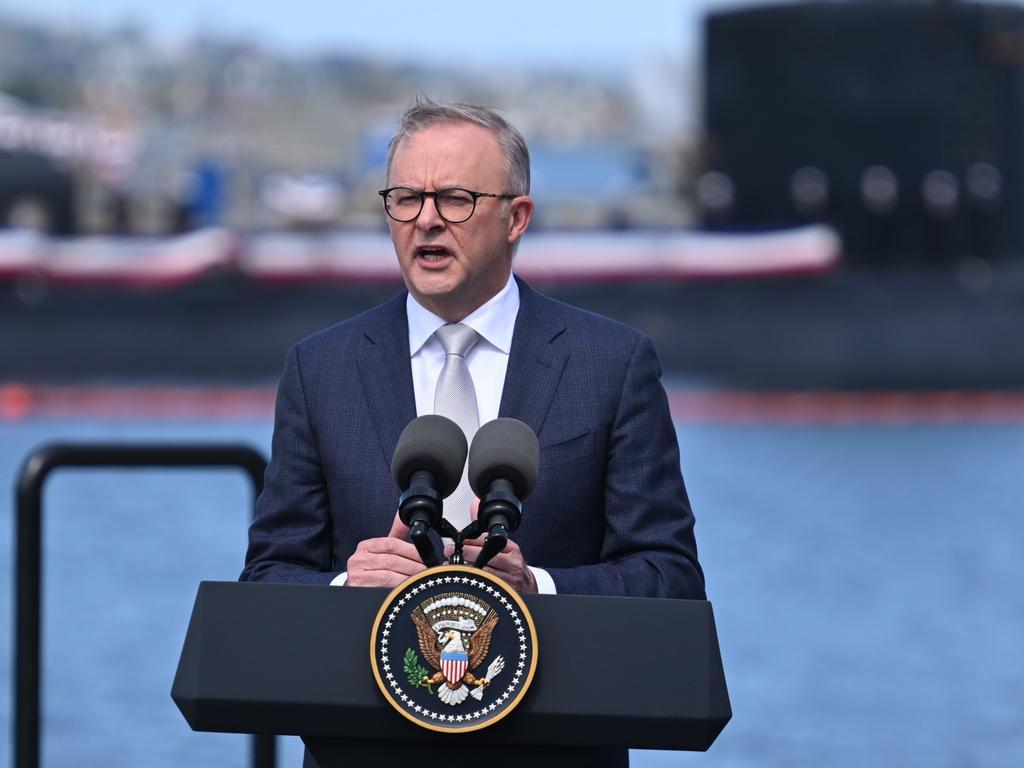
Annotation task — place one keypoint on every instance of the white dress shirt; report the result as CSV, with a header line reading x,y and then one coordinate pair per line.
x,y
487,362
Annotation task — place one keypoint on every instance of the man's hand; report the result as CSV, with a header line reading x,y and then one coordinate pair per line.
x,y
508,564
384,562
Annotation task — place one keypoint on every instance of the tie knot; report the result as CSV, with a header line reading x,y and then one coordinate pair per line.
x,y
457,339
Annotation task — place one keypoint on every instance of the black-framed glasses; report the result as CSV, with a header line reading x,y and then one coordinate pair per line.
x,y
454,205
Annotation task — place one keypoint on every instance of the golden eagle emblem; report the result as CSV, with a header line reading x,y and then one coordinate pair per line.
x,y
454,631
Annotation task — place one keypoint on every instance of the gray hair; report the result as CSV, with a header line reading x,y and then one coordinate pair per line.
x,y
425,113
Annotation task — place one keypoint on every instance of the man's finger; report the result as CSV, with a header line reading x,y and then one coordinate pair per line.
x,y
471,554
391,547
474,509
399,530
397,564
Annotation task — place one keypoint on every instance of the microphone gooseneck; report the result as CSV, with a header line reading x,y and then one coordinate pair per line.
x,y
503,465
426,467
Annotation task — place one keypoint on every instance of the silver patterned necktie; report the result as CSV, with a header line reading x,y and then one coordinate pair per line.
x,y
455,397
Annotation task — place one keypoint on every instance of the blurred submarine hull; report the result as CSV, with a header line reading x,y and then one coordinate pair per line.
x,y
763,311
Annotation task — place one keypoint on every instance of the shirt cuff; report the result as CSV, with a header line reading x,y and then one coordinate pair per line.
x,y
545,584
341,578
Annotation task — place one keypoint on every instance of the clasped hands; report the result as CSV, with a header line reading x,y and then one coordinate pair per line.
x,y
389,560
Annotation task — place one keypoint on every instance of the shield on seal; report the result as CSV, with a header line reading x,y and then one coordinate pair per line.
x,y
453,665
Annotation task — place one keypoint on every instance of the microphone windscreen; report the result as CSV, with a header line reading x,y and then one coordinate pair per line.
x,y
433,444
505,449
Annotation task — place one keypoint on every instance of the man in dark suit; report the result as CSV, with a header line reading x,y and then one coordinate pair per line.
x,y
609,514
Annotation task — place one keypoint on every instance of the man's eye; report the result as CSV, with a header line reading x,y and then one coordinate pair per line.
x,y
406,199
455,199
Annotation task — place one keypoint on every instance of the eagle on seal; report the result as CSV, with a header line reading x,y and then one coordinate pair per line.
x,y
455,654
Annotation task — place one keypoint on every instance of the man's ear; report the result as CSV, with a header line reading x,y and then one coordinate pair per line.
x,y
521,213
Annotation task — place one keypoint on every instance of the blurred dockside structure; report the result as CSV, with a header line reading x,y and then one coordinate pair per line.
x,y
830,195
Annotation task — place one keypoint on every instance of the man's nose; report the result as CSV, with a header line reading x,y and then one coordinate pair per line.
x,y
429,218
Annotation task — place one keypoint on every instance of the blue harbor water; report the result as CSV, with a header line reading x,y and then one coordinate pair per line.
x,y
867,584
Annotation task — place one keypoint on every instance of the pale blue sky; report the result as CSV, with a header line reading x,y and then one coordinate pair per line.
x,y
603,34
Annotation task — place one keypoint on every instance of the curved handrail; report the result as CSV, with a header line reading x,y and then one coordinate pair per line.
x,y
36,468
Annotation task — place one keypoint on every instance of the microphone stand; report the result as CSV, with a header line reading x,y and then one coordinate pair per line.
x,y
416,508
449,531
500,510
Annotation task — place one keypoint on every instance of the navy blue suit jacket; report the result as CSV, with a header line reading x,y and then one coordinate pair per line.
x,y
609,515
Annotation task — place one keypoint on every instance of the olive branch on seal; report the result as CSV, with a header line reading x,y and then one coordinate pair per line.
x,y
414,672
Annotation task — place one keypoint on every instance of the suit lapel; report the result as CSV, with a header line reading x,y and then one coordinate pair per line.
x,y
535,366
536,360
386,374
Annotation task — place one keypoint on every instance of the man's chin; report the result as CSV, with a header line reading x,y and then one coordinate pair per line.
x,y
433,285
436,295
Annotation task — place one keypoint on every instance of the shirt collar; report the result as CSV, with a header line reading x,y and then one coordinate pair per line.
x,y
494,321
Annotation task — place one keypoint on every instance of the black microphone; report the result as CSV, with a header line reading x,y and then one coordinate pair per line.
x,y
503,463
427,467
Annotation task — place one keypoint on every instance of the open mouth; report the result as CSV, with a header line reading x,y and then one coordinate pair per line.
x,y
432,253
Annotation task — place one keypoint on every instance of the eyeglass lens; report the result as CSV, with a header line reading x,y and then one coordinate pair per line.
x,y
453,205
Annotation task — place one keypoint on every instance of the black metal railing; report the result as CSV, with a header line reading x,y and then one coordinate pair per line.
x,y
28,559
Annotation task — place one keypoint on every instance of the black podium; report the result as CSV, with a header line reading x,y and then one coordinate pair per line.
x,y
291,659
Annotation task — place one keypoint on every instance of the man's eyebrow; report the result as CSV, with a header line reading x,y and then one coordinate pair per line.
x,y
454,185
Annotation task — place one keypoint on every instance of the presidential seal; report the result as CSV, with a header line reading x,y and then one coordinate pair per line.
x,y
454,649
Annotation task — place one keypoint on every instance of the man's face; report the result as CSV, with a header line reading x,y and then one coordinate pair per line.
x,y
452,269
